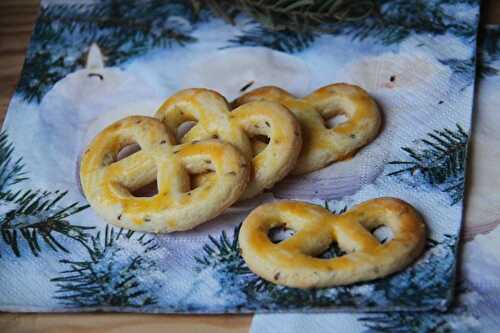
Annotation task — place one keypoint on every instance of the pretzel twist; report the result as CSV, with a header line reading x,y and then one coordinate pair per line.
x,y
293,262
214,120
323,145
108,183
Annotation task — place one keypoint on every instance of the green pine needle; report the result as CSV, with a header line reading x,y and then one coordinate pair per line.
x,y
284,40
395,20
488,41
11,170
427,321
222,251
442,161
110,276
35,216
398,322
295,15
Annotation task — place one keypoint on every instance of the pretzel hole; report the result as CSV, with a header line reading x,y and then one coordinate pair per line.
x,y
335,120
183,128
127,151
279,234
148,190
383,234
200,170
197,179
333,251
259,143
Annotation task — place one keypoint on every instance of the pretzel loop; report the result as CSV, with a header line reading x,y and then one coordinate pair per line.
x,y
108,183
323,145
294,262
214,120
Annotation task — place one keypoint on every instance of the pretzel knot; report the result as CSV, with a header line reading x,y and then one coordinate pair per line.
x,y
294,262
108,183
210,110
323,145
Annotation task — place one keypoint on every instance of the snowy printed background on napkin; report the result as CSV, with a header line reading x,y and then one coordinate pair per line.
x,y
90,64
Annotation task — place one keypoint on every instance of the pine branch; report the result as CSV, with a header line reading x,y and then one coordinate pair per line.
x,y
456,189
412,289
11,170
119,271
460,66
398,19
467,69
31,216
295,15
398,322
441,162
386,21
488,41
284,40
427,281
224,252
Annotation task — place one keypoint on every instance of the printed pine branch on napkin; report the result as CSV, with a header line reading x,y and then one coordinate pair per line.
x,y
91,63
477,306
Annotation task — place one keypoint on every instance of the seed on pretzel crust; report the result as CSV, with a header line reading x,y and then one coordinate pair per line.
x,y
322,145
271,162
294,262
108,183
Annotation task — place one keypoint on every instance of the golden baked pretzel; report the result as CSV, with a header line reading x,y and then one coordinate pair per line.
x,y
294,262
214,120
322,145
108,184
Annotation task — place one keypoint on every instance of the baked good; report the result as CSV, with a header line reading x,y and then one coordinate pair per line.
x,y
323,145
294,262
271,161
109,183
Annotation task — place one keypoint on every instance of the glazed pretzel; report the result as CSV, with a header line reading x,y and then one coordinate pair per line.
x,y
293,262
322,145
214,120
108,183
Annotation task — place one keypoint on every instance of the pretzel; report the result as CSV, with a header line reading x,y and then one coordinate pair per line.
x,y
214,120
293,262
108,183
322,145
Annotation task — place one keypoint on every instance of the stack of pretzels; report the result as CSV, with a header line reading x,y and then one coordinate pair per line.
x,y
235,152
